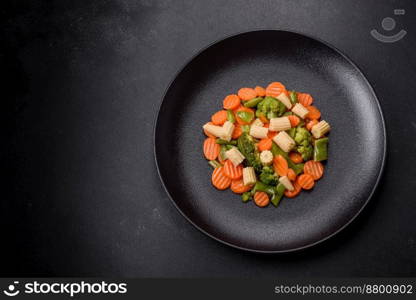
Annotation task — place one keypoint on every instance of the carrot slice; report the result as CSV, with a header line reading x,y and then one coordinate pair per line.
x,y
238,187
280,165
219,180
305,181
219,117
295,157
211,149
209,134
274,89
247,93
231,101
238,119
291,175
295,192
231,171
265,144
261,92
261,199
305,99
314,113
294,120
237,131
314,168
310,124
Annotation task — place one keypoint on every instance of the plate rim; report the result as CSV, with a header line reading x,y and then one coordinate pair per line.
x,y
252,250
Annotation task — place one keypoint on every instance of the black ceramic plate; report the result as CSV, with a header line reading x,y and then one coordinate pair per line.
x,y
347,102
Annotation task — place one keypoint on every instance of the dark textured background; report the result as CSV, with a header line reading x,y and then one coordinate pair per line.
x,y
86,80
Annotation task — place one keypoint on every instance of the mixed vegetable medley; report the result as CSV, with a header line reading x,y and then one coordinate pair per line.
x,y
266,144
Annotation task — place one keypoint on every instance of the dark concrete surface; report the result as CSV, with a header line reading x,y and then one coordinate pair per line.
x,y
86,79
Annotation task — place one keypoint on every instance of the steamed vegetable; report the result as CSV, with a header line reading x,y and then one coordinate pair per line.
x,y
247,147
267,176
270,108
293,97
303,139
253,102
230,116
320,152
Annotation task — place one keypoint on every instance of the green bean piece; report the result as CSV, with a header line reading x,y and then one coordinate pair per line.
x,y
253,102
293,97
320,152
222,155
214,164
245,197
292,132
261,187
230,116
279,192
246,116
224,142
288,113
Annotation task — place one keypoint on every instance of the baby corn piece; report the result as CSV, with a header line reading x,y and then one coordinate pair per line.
x,y
235,156
217,131
320,129
300,110
257,122
258,132
228,129
249,176
266,157
284,141
286,182
285,100
279,124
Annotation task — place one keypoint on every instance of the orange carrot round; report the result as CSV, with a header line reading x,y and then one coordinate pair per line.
x,y
291,175
237,131
238,119
209,134
274,89
265,144
211,149
295,192
305,181
238,187
247,94
310,124
261,199
314,113
305,99
295,157
261,92
280,165
314,168
294,120
231,171
231,102
219,117
219,180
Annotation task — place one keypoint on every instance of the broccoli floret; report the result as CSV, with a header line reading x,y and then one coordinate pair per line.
x,y
267,176
270,108
245,144
303,140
